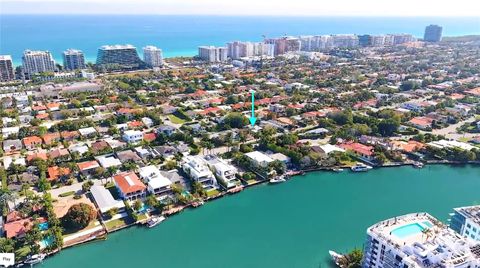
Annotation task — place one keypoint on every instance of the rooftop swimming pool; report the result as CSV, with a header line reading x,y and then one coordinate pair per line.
x,y
411,229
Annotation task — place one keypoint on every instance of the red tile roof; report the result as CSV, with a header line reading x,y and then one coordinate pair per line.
x,y
358,148
149,136
87,165
56,172
128,182
32,140
50,137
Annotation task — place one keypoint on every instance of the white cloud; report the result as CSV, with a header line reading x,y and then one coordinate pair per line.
x,y
249,7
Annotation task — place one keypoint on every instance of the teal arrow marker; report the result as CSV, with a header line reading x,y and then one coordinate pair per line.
x,y
253,119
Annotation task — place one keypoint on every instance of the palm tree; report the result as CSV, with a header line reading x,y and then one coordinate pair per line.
x,y
6,197
427,232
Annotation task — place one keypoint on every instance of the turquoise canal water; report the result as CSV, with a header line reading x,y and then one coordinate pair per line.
x,y
289,225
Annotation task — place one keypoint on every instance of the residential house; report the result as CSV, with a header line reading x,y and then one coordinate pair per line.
x,y
223,171
12,146
128,155
88,167
198,171
132,136
166,129
108,160
129,186
32,142
157,184
105,201
56,173
259,159
362,151
50,138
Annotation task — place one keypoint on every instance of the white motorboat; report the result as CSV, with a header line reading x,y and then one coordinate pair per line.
x,y
154,221
337,169
276,180
418,165
360,167
35,259
335,257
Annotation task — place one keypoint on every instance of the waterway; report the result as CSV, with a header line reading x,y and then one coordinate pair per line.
x,y
289,225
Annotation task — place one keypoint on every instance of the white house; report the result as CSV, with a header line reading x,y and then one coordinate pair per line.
x,y
132,136
198,171
108,160
157,184
223,171
259,159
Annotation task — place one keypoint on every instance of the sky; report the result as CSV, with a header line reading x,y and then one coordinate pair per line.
x,y
450,8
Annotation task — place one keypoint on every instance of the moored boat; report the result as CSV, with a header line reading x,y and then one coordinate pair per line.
x,y
336,169
418,165
276,180
154,221
35,259
360,167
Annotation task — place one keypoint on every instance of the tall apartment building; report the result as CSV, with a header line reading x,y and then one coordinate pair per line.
x,y
399,39
466,221
6,68
119,57
433,33
238,50
418,241
212,53
152,56
284,44
345,40
34,62
73,59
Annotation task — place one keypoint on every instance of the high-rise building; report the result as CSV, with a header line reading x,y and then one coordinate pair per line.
x,y
152,56
399,39
418,240
284,44
119,57
6,68
466,221
37,62
73,59
433,33
345,40
212,53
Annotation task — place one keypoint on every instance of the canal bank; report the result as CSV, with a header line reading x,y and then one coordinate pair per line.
x,y
288,225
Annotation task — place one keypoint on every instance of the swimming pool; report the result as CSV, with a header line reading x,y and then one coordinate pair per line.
x,y
410,229
47,241
43,226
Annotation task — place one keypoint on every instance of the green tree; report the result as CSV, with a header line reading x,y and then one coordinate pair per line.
x,y
78,216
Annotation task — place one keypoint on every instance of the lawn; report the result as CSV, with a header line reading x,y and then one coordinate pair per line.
x,y
175,119
114,224
212,193
252,181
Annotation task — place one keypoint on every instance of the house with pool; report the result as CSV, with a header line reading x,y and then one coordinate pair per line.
x,y
418,240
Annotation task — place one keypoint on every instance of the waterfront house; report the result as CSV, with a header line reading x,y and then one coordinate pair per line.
x,y
157,184
362,151
197,170
129,186
105,201
325,149
223,171
259,159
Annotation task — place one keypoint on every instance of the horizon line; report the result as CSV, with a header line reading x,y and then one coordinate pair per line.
x,y
243,15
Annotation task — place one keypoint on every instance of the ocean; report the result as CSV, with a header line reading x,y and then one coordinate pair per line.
x,y
288,225
181,35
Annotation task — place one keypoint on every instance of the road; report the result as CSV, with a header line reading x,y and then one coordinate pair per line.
x,y
450,132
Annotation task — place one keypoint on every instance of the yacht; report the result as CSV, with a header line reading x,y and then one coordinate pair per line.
x,y
360,167
35,259
336,169
418,165
154,221
276,180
